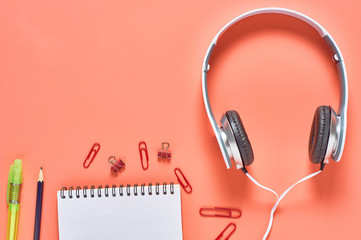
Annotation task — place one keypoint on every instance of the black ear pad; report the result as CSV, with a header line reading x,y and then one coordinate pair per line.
x,y
241,137
319,134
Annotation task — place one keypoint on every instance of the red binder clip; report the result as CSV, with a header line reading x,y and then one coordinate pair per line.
x,y
185,184
229,235
93,152
164,152
116,164
220,212
143,148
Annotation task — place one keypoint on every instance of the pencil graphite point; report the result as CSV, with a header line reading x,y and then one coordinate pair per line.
x,y
41,176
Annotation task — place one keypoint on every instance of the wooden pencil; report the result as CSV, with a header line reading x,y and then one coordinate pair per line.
x,y
39,205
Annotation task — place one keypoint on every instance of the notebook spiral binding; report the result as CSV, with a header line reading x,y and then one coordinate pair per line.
x,y
97,192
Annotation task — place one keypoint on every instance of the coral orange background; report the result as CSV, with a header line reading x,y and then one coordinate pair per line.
x,y
118,72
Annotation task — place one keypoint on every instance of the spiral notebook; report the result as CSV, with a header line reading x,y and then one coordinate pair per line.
x,y
120,212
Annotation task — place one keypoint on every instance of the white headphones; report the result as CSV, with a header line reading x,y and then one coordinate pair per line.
x,y
328,132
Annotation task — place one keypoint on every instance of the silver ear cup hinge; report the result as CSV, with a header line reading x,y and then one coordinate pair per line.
x,y
230,142
337,120
333,137
222,145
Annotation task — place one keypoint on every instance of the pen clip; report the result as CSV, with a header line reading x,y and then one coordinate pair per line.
x,y
92,153
229,235
220,212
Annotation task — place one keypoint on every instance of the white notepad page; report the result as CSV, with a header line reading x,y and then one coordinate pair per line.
x,y
125,217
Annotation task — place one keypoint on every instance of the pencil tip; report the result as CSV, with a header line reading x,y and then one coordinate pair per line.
x,y
41,177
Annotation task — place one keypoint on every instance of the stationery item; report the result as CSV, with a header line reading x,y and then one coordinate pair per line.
x,y
126,212
183,181
143,148
164,152
13,198
328,130
116,164
220,212
229,226
39,205
91,155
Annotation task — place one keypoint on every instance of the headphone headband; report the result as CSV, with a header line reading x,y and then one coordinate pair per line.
x,y
337,58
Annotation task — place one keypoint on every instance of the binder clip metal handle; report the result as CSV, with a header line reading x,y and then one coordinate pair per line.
x,y
164,152
116,164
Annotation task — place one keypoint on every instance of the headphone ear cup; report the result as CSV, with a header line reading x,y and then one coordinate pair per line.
x,y
239,132
319,135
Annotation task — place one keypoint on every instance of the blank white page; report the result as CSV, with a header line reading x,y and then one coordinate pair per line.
x,y
129,217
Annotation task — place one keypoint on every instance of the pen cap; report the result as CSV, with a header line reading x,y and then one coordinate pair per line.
x,y
14,181
17,174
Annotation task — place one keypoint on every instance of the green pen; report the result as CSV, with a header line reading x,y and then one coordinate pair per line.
x,y
13,196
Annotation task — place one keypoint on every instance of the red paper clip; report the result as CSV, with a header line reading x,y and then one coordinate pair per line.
x,y
187,187
229,235
220,212
116,164
143,149
94,150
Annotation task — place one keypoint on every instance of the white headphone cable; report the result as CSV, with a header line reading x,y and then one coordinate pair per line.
x,y
280,198
260,185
